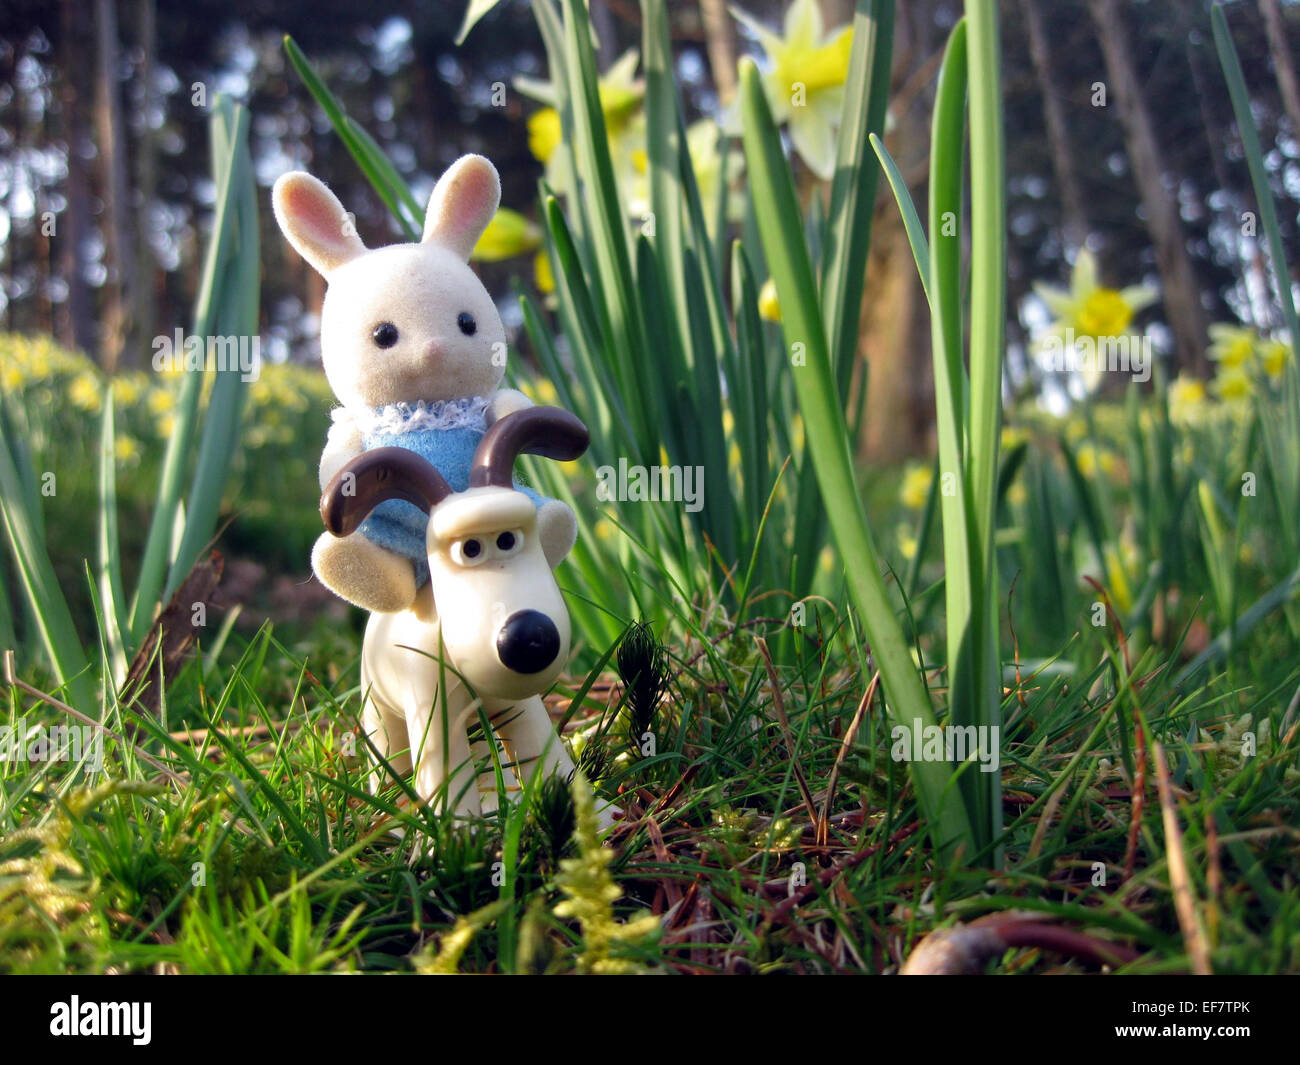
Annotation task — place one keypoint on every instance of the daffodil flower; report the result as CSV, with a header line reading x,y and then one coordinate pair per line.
x,y
1232,346
1088,308
1273,356
1091,313
1232,384
1091,459
621,95
1187,398
807,69
508,234
769,309
916,486
85,392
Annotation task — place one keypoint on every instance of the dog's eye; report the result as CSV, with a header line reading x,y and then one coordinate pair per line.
x,y
467,324
384,334
510,541
468,552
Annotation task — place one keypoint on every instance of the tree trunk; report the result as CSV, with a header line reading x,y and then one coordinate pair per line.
x,y
896,356
115,313
1181,292
1074,218
74,324
720,35
1282,65
145,309
894,338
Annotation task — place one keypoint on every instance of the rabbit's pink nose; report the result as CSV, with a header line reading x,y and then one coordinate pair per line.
x,y
431,351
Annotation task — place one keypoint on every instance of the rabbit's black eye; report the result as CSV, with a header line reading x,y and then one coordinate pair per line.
x,y
384,334
467,324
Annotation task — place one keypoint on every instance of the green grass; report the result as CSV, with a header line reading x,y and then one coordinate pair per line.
x,y
300,874
1094,585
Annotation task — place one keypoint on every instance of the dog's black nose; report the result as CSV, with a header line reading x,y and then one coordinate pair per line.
x,y
528,642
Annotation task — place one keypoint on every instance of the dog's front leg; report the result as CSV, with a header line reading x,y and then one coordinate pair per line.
x,y
444,770
526,729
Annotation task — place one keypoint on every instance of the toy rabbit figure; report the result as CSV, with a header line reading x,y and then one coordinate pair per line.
x,y
414,349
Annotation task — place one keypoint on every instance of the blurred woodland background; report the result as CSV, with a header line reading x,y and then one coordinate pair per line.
x,y
1119,139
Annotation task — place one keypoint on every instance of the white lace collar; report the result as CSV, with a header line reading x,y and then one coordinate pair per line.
x,y
395,418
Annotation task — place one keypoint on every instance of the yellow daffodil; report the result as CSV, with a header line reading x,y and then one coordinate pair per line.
x,y
1117,580
1013,436
125,449
127,389
507,235
1091,459
915,488
768,307
541,391
544,133
543,275
1187,397
1088,308
621,95
1232,346
1232,384
84,392
703,142
906,541
160,401
1243,358
796,434
703,145
806,71
1273,356
1017,494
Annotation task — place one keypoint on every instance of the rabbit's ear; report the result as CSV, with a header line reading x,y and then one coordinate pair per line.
x,y
463,203
314,222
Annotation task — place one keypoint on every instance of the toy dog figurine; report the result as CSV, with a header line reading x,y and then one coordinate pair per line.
x,y
498,622
414,349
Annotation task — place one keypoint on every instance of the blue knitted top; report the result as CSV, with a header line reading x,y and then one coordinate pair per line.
x,y
445,432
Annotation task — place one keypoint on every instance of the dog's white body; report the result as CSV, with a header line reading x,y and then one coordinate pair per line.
x,y
421,711
490,630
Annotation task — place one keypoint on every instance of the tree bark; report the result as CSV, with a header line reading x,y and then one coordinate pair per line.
x,y
720,37
894,340
1180,290
74,324
1074,218
115,313
1282,65
143,286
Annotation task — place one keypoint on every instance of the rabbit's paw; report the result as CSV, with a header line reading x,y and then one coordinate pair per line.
x,y
364,573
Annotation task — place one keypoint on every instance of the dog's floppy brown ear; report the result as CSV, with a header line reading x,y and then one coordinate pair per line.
x,y
548,431
375,477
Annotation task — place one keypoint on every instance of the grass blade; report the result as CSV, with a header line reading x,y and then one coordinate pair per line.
x,y
783,241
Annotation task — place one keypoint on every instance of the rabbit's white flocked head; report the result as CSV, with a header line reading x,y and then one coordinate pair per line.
x,y
407,322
